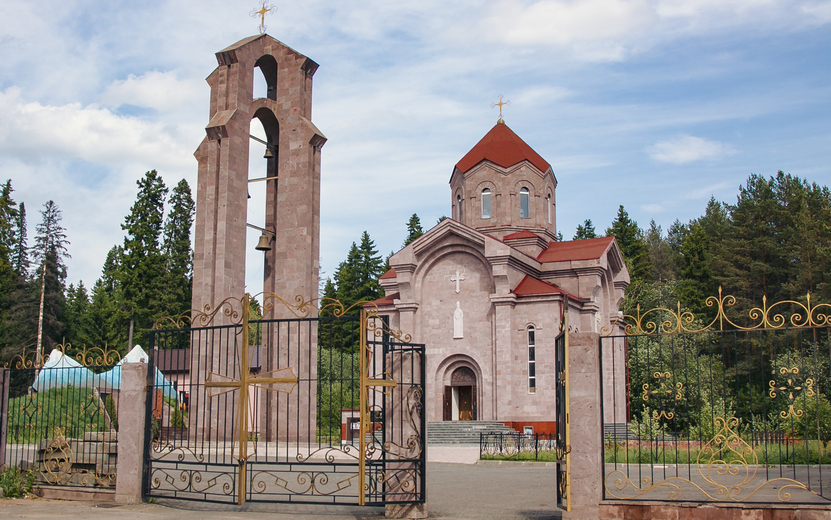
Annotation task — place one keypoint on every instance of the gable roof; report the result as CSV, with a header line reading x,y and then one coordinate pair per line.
x,y
389,299
502,147
588,249
530,286
389,274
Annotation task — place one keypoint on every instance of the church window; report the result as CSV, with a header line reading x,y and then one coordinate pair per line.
x,y
459,208
524,211
532,374
486,203
548,208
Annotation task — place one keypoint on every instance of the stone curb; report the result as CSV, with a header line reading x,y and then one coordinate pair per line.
x,y
515,463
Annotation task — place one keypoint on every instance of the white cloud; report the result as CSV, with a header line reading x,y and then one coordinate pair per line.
x,y
154,89
33,132
686,149
652,208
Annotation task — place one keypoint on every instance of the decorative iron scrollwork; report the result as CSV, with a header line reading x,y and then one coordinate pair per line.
x,y
792,389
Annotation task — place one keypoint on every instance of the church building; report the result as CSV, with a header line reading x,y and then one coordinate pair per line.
x,y
486,289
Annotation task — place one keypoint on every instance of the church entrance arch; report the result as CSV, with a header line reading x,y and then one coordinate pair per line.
x,y
460,396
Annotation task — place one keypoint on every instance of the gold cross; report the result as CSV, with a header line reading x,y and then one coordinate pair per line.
x,y
500,105
283,376
261,12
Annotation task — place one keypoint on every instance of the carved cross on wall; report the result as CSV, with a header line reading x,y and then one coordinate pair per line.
x,y
458,277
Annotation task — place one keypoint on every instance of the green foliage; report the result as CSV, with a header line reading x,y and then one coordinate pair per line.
x,y
112,411
647,426
338,388
705,425
33,418
50,251
177,251
585,230
414,229
630,239
15,483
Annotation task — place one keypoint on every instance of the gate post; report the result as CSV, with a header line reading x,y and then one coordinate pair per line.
x,y
5,376
585,435
131,433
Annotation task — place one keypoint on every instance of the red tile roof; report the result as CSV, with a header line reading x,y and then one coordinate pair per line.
x,y
530,286
588,249
385,300
521,234
389,274
503,147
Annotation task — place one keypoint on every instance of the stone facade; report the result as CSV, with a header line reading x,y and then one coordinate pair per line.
x,y
292,216
510,278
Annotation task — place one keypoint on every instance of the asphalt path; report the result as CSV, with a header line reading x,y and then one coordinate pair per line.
x,y
455,491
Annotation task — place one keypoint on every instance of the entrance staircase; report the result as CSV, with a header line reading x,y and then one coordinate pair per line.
x,y
462,432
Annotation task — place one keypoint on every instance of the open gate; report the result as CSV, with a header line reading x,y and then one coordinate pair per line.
x,y
561,409
325,406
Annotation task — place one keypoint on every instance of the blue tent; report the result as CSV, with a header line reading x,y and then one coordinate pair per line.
x,y
59,371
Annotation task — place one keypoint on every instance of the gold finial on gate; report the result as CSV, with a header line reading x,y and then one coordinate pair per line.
x,y
500,105
264,9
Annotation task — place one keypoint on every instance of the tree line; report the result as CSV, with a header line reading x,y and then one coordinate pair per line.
x,y
147,276
774,241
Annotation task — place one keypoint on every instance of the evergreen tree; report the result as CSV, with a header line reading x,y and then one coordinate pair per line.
x,y
177,251
49,252
414,229
8,276
20,251
77,316
142,270
105,324
630,239
585,230
696,275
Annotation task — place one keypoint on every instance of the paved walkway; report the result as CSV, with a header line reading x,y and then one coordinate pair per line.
x,y
454,491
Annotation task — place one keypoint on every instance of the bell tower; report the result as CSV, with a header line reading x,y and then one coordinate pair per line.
x,y
292,149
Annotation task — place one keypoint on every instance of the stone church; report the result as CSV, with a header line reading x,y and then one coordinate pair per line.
x,y
485,290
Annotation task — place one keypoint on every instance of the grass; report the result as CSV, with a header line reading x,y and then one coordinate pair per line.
x,y
542,456
75,411
797,452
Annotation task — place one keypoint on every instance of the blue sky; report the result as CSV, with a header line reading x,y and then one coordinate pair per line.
x,y
656,105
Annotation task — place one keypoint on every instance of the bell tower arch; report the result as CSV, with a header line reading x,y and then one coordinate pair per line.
x,y
292,216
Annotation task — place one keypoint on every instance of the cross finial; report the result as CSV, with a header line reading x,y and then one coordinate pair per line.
x,y
264,9
500,105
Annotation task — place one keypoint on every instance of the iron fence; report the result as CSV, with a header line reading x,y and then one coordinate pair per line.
x,y
718,415
61,417
518,446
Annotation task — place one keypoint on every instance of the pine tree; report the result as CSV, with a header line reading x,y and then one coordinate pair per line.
x,y
177,251
414,229
142,270
8,276
630,239
20,251
695,274
585,230
49,252
77,317
106,326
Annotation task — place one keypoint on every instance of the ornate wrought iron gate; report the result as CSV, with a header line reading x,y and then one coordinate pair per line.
x,y
562,441
308,409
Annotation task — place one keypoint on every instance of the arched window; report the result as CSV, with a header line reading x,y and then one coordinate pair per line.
x,y
548,208
524,211
459,208
532,374
486,203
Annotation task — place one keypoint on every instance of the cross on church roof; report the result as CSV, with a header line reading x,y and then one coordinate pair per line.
x,y
500,105
261,12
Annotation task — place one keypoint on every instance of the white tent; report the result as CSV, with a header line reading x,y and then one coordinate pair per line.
x,y
112,379
60,370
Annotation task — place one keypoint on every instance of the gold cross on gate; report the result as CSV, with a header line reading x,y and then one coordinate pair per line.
x,y
261,12
500,105
283,376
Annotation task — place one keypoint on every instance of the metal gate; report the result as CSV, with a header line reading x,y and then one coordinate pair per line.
x,y
562,440
325,406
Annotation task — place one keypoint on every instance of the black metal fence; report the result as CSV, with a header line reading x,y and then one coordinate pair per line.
x,y
518,446
61,419
736,415
303,440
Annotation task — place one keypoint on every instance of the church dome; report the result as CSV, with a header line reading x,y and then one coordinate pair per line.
x,y
502,147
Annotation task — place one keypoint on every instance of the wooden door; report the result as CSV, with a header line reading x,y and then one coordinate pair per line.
x,y
448,403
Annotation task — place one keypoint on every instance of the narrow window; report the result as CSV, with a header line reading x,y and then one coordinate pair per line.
x,y
459,208
532,374
523,204
486,203
548,208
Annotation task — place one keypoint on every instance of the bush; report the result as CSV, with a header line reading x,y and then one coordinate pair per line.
x,y
15,483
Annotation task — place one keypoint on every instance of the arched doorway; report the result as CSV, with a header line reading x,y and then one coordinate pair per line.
x,y
460,396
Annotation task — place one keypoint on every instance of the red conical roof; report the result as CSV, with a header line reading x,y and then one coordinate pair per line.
x,y
503,147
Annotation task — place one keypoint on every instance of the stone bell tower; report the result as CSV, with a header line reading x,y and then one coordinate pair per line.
x,y
293,190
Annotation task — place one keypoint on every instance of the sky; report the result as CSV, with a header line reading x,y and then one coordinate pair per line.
x,y
655,105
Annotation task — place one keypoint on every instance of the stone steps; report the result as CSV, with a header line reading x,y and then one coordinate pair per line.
x,y
462,432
